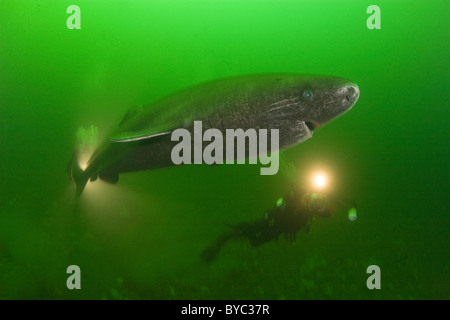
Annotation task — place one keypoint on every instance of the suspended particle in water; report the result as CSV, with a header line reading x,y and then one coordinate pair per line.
x,y
352,214
280,202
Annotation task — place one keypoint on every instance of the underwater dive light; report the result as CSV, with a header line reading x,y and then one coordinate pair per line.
x,y
320,180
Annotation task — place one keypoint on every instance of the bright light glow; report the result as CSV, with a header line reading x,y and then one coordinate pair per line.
x,y
320,180
83,160
87,141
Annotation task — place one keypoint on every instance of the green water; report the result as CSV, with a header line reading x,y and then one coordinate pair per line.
x,y
141,239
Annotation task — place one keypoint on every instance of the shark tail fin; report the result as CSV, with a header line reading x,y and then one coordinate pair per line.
x,y
78,176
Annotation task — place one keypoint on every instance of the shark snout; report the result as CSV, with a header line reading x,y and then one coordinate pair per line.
x,y
352,94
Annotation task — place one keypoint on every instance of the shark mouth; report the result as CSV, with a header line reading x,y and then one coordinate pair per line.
x,y
311,126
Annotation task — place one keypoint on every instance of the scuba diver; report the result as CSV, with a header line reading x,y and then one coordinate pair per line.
x,y
290,214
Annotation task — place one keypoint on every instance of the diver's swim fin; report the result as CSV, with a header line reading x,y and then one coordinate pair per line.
x,y
211,252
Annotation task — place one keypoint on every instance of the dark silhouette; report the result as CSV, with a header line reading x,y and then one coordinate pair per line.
x,y
290,214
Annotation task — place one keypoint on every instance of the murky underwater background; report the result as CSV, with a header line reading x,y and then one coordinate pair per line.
x,y
141,239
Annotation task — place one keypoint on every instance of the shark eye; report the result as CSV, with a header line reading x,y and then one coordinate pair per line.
x,y
308,94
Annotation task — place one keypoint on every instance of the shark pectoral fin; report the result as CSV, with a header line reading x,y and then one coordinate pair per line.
x,y
302,131
294,131
109,177
135,136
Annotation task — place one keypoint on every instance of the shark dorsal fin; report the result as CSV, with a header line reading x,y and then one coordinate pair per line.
x,y
131,114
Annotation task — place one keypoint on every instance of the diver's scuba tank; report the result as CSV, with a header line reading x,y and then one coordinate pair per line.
x,y
317,203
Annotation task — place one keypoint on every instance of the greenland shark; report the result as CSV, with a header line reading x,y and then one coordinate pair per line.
x,y
294,104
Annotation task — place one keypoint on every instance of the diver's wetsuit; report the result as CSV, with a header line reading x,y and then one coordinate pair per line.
x,y
287,217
